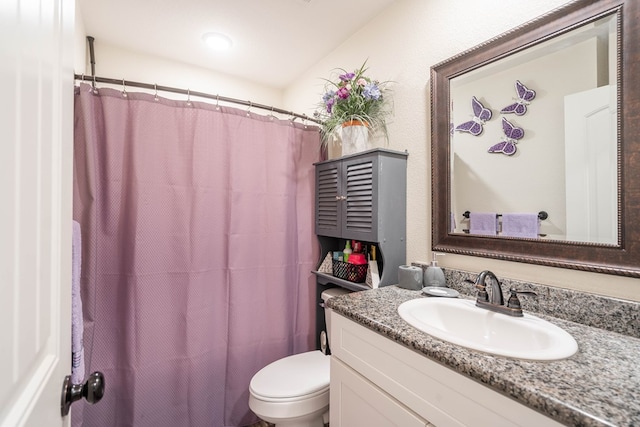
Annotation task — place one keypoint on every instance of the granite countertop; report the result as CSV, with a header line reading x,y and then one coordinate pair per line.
x,y
598,386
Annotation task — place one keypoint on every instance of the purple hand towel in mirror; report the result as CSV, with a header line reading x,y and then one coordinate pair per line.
x,y
485,223
521,225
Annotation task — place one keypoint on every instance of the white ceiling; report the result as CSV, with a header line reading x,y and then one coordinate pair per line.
x,y
274,40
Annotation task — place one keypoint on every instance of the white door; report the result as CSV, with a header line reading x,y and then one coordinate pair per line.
x,y
36,140
591,166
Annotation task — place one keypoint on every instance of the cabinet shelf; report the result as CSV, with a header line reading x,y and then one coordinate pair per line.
x,y
328,279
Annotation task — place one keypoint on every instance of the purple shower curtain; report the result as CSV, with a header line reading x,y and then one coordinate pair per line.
x,y
198,242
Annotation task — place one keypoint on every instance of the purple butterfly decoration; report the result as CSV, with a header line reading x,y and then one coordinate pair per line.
x,y
511,136
525,96
480,116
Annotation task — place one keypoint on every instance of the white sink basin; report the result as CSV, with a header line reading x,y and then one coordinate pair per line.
x,y
460,322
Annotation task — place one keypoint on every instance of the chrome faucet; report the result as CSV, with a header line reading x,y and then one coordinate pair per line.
x,y
493,300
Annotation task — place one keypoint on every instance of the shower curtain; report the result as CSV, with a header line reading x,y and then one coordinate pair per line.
x,y
198,243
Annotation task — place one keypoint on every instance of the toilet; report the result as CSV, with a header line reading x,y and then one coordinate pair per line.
x,y
294,391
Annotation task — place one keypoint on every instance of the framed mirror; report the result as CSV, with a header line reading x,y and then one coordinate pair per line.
x,y
540,127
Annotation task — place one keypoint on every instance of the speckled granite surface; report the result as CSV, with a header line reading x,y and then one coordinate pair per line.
x,y
598,386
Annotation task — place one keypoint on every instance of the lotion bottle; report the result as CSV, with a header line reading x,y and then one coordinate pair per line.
x,y
347,251
433,275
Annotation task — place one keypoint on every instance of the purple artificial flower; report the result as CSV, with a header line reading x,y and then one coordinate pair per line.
x,y
327,96
346,77
329,102
343,93
371,92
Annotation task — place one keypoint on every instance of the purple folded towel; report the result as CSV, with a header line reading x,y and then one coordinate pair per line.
x,y
485,223
77,324
521,225
452,222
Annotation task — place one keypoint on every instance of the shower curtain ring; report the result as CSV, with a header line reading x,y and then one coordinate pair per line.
x,y
272,116
249,108
124,89
218,102
189,97
94,89
155,94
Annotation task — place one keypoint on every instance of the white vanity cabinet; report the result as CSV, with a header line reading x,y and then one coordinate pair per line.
x,y
374,378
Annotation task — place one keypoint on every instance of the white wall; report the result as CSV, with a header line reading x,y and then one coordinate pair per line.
x,y
120,63
79,48
401,44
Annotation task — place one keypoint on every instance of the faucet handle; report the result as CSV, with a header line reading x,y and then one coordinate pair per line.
x,y
514,302
482,294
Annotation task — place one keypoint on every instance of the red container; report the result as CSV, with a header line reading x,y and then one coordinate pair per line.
x,y
357,259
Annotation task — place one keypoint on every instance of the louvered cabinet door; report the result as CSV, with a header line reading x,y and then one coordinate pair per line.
x,y
328,200
345,198
358,208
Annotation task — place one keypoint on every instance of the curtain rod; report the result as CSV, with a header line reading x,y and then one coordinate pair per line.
x,y
188,92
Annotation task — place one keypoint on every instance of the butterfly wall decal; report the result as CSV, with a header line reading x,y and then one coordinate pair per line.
x,y
480,116
512,134
525,96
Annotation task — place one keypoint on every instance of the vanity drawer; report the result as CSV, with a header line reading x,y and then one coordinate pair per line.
x,y
434,392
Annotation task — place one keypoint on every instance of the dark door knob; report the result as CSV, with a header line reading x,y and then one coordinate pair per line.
x,y
92,390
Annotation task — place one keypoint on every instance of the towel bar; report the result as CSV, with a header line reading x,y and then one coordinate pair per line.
x,y
542,215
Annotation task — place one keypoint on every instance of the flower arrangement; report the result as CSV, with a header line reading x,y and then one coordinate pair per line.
x,y
354,97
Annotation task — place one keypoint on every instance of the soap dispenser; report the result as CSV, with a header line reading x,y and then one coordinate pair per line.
x,y
433,275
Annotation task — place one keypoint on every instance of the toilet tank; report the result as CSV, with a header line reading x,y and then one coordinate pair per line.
x,y
325,295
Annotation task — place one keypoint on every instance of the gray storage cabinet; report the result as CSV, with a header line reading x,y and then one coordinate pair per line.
x,y
363,197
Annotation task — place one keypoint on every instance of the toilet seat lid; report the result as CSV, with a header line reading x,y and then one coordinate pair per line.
x,y
298,375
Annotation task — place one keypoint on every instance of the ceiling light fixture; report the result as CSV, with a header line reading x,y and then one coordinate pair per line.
x,y
217,41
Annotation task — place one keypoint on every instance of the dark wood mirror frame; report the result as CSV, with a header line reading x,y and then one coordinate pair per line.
x,y
622,259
